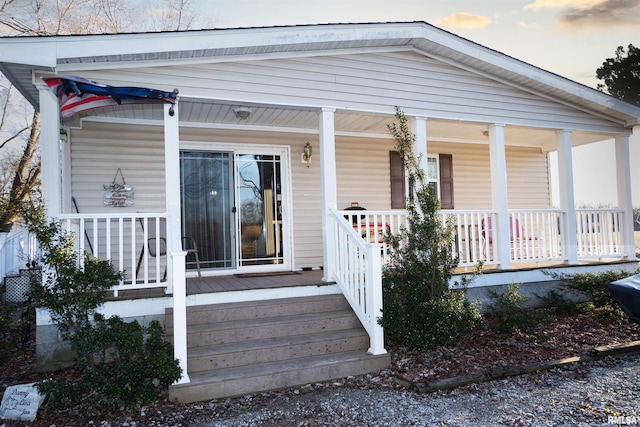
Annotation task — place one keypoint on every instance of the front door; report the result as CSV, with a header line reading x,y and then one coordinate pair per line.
x,y
234,207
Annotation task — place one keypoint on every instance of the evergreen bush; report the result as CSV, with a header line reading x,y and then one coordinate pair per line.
x,y
511,313
419,309
595,289
119,363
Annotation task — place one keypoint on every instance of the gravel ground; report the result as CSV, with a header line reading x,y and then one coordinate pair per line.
x,y
599,393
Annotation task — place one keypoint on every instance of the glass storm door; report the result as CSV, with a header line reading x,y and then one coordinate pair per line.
x,y
232,206
206,191
259,193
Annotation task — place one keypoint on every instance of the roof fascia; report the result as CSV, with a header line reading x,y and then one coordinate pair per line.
x,y
93,66
60,47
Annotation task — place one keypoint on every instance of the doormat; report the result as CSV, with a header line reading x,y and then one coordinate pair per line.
x,y
274,273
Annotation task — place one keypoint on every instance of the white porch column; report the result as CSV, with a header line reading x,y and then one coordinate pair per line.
x,y
623,177
51,171
172,185
328,185
567,198
499,197
176,269
419,129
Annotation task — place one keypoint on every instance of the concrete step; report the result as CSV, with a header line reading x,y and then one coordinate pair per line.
x,y
263,309
261,377
276,349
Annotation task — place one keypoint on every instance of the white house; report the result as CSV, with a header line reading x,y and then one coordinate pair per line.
x,y
226,167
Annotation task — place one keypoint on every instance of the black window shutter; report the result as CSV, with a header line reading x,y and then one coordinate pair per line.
x,y
398,190
446,181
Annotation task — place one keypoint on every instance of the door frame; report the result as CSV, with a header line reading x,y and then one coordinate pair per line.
x,y
284,152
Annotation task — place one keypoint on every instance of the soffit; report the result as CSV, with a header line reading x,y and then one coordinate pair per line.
x,y
276,119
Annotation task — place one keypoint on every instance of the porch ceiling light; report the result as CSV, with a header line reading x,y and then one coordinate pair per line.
x,y
242,113
306,155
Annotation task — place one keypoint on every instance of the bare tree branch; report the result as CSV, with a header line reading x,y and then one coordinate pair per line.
x,y
15,136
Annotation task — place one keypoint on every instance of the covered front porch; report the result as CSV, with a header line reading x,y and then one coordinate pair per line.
x,y
503,237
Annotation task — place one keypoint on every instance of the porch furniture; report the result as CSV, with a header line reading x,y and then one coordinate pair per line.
x,y
514,229
157,246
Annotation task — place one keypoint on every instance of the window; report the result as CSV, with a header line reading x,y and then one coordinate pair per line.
x,y
432,175
439,179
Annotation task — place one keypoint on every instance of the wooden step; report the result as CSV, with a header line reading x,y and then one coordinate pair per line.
x,y
262,377
240,348
275,349
273,327
255,310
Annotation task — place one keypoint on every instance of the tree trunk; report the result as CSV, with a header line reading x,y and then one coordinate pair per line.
x,y
25,180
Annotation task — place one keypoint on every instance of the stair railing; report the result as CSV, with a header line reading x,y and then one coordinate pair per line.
x,y
17,248
357,268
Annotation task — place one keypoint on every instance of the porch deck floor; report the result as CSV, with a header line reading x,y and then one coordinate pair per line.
x,y
243,282
233,282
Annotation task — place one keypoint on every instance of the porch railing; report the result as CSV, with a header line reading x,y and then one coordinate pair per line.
x,y
133,242
599,233
535,235
17,248
357,270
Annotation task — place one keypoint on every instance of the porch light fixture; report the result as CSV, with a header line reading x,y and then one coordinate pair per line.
x,y
242,113
306,155
63,135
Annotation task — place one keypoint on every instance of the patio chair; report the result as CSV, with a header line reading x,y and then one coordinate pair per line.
x,y
514,229
156,249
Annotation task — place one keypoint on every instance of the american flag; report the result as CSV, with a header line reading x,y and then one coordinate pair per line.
x,y
77,94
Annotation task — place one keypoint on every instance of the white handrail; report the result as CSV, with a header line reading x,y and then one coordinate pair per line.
x,y
357,269
536,235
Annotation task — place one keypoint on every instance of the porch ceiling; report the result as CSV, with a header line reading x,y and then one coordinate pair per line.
x,y
272,118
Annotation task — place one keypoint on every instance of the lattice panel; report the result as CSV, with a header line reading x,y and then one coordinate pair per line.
x,y
17,287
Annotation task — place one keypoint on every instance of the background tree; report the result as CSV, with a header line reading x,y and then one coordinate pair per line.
x,y
19,154
621,74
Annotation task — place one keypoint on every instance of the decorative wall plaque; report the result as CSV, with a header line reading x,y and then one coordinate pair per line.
x,y
119,193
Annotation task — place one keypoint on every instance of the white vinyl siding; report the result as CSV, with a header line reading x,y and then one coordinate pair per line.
x,y
527,176
367,82
362,170
96,156
362,164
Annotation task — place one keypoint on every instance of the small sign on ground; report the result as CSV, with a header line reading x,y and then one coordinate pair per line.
x,y
20,402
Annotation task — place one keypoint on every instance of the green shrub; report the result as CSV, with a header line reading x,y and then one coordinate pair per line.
x,y
594,287
9,332
419,309
511,313
557,301
120,363
126,365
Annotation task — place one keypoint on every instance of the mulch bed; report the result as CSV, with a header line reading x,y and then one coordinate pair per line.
x,y
480,351
484,350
